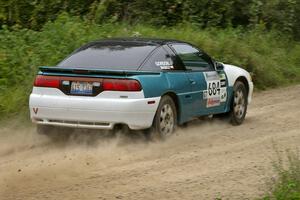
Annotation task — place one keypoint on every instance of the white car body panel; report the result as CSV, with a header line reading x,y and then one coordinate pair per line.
x,y
50,106
233,73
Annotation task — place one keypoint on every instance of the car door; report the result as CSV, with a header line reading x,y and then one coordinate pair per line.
x,y
209,87
163,59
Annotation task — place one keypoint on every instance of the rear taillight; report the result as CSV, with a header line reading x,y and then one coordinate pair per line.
x,y
121,85
107,84
46,81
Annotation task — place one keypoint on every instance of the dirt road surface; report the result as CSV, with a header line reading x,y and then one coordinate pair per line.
x,y
209,159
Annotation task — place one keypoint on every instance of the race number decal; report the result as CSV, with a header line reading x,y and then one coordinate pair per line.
x,y
216,92
213,93
213,88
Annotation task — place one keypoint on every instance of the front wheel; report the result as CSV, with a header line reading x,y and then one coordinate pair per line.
x,y
239,104
165,120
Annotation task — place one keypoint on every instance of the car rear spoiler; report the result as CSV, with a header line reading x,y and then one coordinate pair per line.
x,y
45,70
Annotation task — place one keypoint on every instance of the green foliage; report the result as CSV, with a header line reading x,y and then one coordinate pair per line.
x,y
286,186
283,15
33,14
273,59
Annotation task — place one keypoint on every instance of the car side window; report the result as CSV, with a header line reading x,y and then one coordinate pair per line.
x,y
192,58
159,60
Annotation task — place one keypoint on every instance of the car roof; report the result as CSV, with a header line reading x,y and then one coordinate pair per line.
x,y
129,41
138,40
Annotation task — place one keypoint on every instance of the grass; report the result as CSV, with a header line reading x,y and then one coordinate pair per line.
x,y
271,58
286,186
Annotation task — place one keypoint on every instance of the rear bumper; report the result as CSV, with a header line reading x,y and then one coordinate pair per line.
x,y
92,112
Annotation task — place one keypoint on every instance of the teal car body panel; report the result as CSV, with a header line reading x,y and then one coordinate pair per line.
x,y
191,102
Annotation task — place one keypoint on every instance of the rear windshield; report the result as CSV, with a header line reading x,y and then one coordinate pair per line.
x,y
109,55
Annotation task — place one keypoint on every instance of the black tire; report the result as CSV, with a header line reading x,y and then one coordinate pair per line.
x,y
54,132
165,120
239,103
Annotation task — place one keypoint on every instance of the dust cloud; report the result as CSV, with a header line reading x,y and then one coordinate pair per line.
x,y
209,159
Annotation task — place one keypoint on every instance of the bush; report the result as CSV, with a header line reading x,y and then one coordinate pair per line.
x,y
287,184
284,15
272,59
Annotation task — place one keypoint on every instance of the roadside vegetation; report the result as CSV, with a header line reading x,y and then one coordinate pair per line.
x,y
272,58
261,36
286,185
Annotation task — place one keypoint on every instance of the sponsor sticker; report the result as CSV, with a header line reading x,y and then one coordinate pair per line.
x,y
211,76
223,95
164,64
35,110
211,102
222,76
223,83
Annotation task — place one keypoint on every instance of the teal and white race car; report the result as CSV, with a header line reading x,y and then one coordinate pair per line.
x,y
138,83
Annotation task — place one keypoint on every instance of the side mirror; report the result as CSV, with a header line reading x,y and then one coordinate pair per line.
x,y
219,66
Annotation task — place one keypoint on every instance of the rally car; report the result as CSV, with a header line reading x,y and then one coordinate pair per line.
x,y
139,83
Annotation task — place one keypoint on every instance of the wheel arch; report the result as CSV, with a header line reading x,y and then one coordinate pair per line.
x,y
175,99
244,80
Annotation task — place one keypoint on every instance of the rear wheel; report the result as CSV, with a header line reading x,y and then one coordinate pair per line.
x,y
165,120
239,104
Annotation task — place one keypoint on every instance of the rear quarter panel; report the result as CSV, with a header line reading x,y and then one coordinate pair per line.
x,y
168,82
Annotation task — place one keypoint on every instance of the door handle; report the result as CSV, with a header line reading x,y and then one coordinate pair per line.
x,y
192,81
188,96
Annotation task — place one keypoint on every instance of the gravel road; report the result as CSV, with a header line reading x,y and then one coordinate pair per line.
x,y
209,159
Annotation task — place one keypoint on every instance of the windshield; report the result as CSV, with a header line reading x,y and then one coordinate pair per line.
x,y
109,55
